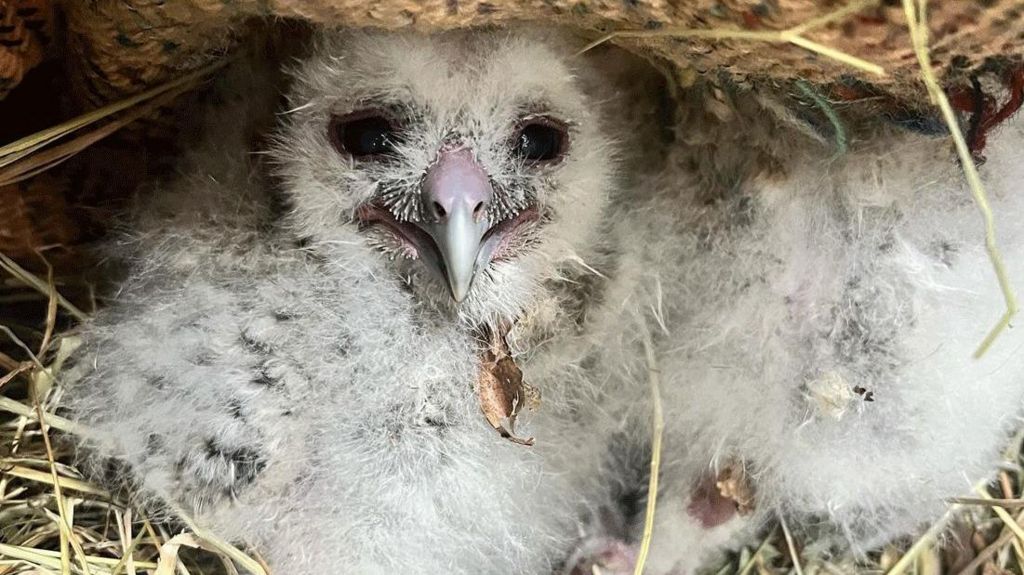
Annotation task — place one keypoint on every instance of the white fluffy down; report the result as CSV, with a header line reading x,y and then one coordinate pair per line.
x,y
821,333
303,398
296,390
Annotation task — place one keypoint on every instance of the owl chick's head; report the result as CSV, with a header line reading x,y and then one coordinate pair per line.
x,y
477,162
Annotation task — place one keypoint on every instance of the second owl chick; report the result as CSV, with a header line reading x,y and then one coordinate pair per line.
x,y
818,332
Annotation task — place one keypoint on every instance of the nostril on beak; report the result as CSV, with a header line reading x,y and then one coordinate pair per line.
x,y
455,197
439,211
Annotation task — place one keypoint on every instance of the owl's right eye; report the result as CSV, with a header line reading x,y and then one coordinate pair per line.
x,y
364,135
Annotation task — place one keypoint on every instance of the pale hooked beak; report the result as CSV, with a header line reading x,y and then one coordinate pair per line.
x,y
456,194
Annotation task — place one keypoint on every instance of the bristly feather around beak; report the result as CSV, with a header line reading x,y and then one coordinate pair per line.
x,y
457,232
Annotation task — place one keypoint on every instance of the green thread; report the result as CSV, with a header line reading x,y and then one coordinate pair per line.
x,y
841,141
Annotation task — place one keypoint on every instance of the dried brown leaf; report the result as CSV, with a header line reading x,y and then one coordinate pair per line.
x,y
500,389
734,484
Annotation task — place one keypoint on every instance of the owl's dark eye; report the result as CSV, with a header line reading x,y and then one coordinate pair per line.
x,y
364,135
541,140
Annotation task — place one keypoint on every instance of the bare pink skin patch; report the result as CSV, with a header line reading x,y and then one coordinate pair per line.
x,y
707,504
609,555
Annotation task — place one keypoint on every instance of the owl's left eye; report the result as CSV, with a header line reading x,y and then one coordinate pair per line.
x,y
364,135
541,140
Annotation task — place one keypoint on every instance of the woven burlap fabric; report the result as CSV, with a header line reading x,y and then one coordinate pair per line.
x,y
130,44
114,48
26,27
33,214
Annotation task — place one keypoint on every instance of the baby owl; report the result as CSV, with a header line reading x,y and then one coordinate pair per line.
x,y
294,353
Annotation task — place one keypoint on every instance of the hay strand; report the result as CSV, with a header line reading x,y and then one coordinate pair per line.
x,y
64,518
62,482
753,560
928,538
917,23
792,35
51,310
16,166
791,546
219,545
26,146
990,502
658,428
31,280
1010,522
55,421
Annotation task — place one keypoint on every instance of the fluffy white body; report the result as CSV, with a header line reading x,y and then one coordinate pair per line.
x,y
820,333
317,400
298,389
